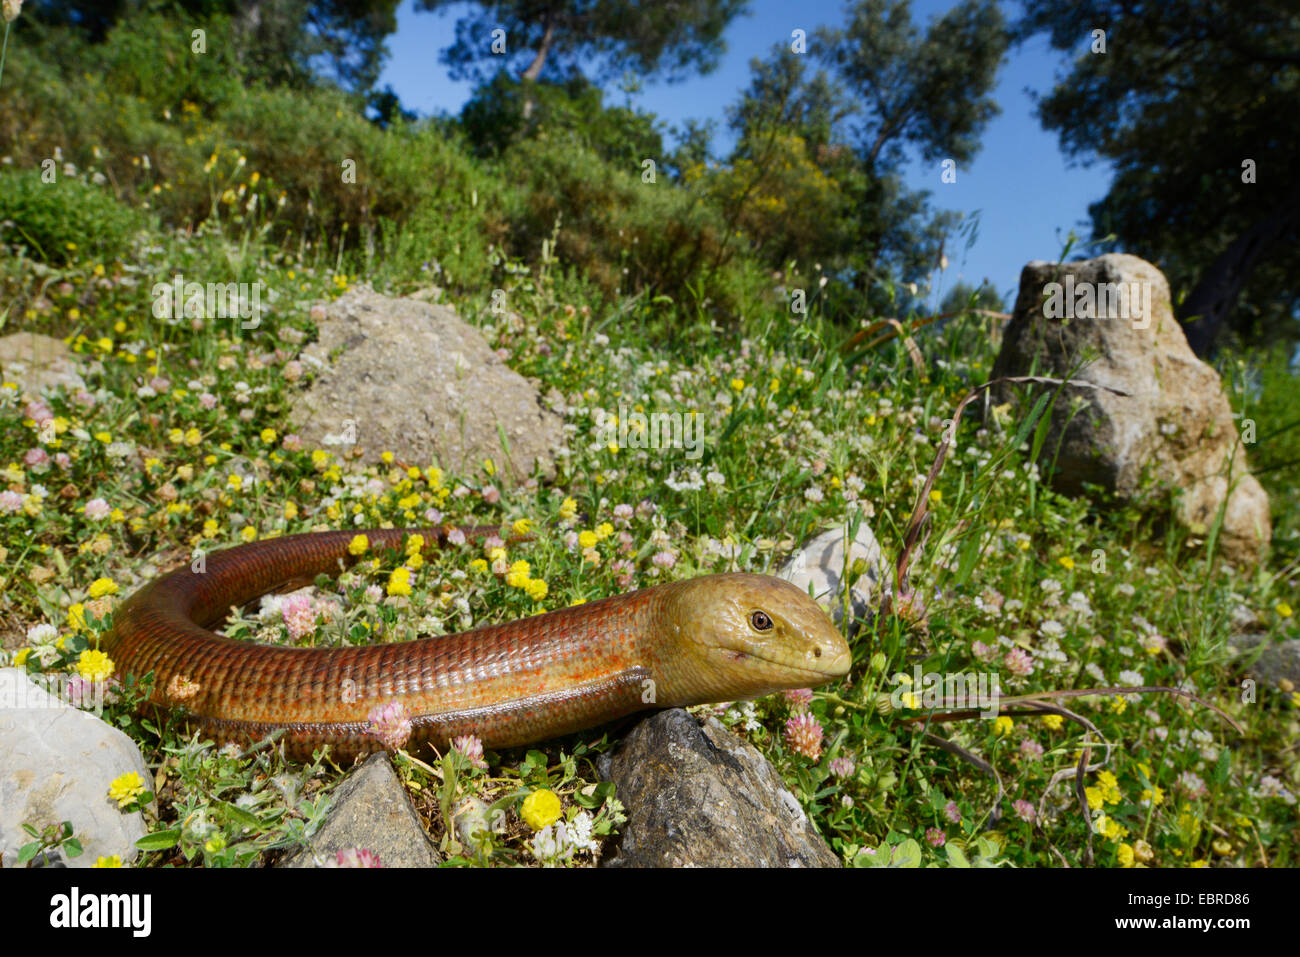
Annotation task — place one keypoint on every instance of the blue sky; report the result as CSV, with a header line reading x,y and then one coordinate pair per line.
x,y
1027,195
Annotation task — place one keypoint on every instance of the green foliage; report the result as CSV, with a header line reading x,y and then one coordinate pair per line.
x,y
624,233
64,220
55,839
275,41
1193,90
555,38
930,91
815,179
494,119
148,57
965,296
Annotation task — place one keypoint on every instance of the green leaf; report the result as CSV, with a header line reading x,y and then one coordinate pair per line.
x,y
159,840
239,816
597,797
72,847
28,851
1222,767
907,854
956,856
1030,420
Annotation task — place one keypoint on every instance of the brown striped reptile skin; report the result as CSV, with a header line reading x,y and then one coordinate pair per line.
x,y
688,642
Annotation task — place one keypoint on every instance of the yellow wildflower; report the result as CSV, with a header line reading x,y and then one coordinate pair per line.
x,y
102,586
399,582
541,808
125,788
94,665
358,545
517,577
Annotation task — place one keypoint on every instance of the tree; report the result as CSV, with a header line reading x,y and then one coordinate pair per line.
x,y
599,39
493,120
1196,103
964,296
931,92
278,41
834,142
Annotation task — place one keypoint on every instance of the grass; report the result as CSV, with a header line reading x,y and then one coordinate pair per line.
x,y
179,442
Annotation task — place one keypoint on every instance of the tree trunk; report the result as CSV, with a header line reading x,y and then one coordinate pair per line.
x,y
1210,303
535,68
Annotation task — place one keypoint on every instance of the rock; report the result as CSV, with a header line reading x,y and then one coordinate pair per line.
x,y
413,378
56,763
1174,421
1279,662
37,363
819,563
698,796
371,811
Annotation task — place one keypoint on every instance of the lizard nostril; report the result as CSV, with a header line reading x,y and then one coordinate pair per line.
x,y
817,652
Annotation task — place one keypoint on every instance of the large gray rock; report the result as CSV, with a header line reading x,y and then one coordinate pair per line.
x,y
413,378
698,796
36,363
56,763
371,811
820,565
1174,420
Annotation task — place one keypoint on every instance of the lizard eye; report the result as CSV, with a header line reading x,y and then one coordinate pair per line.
x,y
760,620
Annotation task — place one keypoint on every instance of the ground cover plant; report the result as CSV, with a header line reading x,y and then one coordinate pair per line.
x,y
568,266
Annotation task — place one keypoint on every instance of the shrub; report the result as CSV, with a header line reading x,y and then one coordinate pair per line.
x,y
64,220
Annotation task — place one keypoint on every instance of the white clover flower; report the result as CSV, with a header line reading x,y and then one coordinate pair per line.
x,y
552,844
42,634
580,833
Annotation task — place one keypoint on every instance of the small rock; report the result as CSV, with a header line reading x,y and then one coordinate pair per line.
x,y
1278,662
56,763
371,811
698,796
414,379
37,363
820,563
1173,422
